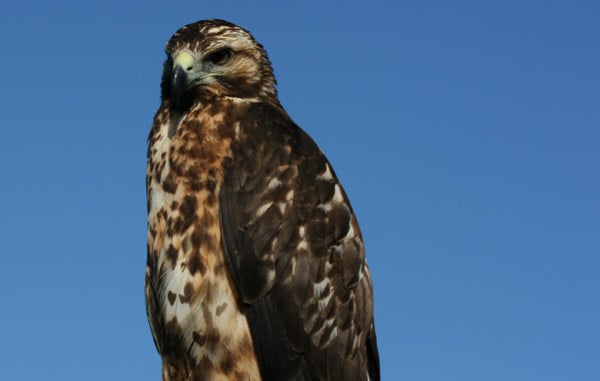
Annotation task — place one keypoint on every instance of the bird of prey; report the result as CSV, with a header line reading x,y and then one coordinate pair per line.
x,y
256,266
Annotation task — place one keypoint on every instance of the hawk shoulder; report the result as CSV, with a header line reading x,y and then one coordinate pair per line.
x,y
295,251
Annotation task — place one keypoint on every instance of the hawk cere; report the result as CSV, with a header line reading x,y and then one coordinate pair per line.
x,y
256,267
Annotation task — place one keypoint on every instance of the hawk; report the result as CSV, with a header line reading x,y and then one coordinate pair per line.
x,y
256,267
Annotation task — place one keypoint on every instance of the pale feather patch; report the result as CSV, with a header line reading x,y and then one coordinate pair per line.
x,y
320,287
216,29
328,267
292,264
326,207
323,303
263,208
335,199
337,195
282,207
361,273
326,175
355,342
302,245
317,337
157,199
273,183
350,234
332,335
237,129
175,282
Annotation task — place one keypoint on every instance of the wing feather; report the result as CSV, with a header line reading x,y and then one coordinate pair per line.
x,y
296,255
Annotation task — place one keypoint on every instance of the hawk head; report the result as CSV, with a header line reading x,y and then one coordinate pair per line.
x,y
215,58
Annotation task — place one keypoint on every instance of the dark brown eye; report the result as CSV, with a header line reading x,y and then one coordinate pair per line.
x,y
220,57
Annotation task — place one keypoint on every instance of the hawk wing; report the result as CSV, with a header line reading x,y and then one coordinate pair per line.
x,y
296,255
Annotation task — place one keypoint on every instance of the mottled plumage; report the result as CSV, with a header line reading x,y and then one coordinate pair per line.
x,y
256,266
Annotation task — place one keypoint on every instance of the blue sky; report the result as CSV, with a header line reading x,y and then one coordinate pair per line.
x,y
466,133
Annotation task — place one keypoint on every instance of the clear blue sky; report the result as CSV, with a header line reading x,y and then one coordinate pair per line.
x,y
466,133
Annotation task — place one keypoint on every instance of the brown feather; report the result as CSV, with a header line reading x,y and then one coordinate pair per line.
x,y
256,265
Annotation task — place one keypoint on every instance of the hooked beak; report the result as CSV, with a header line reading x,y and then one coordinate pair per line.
x,y
182,80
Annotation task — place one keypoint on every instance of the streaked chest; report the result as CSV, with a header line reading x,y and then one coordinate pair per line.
x,y
194,293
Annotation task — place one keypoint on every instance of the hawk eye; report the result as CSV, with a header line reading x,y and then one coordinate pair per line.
x,y
220,57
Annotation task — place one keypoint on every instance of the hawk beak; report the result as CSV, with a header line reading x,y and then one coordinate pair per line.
x,y
179,84
183,66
